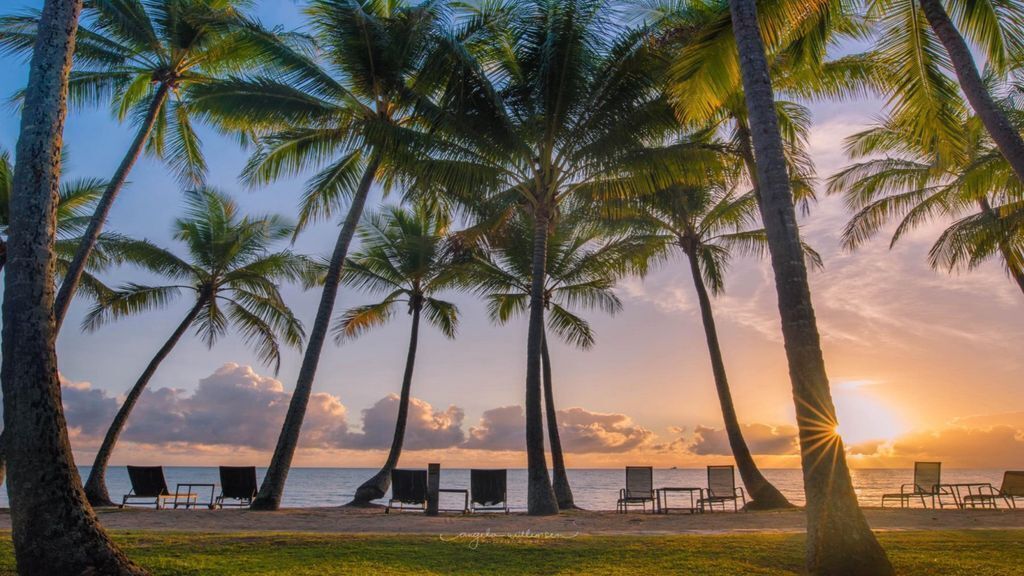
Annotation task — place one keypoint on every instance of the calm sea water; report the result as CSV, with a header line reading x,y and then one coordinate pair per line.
x,y
593,489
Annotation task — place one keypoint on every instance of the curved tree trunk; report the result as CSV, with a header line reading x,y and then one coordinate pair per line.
x,y
53,527
69,284
272,488
563,493
839,540
1006,137
1013,264
540,498
96,485
377,486
764,495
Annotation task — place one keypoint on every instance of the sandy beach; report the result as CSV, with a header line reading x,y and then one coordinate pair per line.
x,y
374,521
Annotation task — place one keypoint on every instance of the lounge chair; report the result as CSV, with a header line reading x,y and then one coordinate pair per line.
x,y
488,490
1011,489
149,485
408,487
639,489
722,489
237,483
926,485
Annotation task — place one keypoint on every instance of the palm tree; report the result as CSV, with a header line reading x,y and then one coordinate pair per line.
x,y
906,180
839,540
583,264
233,277
540,102
708,225
142,57
53,527
409,256
340,114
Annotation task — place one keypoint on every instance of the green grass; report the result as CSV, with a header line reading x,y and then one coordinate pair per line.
x,y
974,553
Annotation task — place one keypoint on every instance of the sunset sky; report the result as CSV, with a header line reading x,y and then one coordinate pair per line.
x,y
923,364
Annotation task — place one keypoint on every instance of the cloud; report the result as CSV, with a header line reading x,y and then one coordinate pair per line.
x,y
88,410
761,439
502,428
427,428
580,430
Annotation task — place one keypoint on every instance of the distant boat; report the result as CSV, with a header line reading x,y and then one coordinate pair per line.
x,y
673,468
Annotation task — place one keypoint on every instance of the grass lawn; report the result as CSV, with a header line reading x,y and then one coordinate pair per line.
x,y
973,553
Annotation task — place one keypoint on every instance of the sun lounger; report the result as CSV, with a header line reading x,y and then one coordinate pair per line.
x,y
639,489
927,485
1011,489
408,490
237,485
722,489
149,486
488,490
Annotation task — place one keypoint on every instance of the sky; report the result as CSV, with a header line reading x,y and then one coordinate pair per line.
x,y
923,364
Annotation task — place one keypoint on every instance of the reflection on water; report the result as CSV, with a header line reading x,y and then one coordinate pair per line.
x,y
593,489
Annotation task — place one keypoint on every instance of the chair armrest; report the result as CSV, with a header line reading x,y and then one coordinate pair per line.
x,y
903,488
740,490
622,493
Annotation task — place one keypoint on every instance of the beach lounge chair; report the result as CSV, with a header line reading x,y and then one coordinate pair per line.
x,y
488,490
408,487
238,484
1011,489
639,489
926,485
722,489
149,485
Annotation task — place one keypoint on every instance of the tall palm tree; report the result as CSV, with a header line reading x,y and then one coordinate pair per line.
x,y
583,264
408,256
708,225
53,527
839,540
340,113
233,277
142,57
906,180
540,102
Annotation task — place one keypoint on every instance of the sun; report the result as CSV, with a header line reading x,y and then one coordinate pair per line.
x,y
864,415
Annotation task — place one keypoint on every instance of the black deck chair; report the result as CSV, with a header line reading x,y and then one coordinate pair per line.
x,y
1009,491
237,483
639,489
408,487
927,484
722,489
488,490
149,485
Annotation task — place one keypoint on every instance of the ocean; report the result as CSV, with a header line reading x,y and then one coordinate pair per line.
x,y
593,489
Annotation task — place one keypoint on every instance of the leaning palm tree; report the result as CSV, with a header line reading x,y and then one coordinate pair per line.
x,y
839,540
904,179
409,256
54,530
338,111
583,264
233,277
142,58
540,102
707,226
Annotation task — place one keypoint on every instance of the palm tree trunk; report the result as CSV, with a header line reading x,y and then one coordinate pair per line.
x,y
563,492
764,495
54,529
96,485
839,540
540,498
3,255
1006,137
1013,263
69,284
272,488
377,486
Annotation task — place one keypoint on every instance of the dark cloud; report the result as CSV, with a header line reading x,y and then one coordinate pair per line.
x,y
88,411
426,429
761,439
581,431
